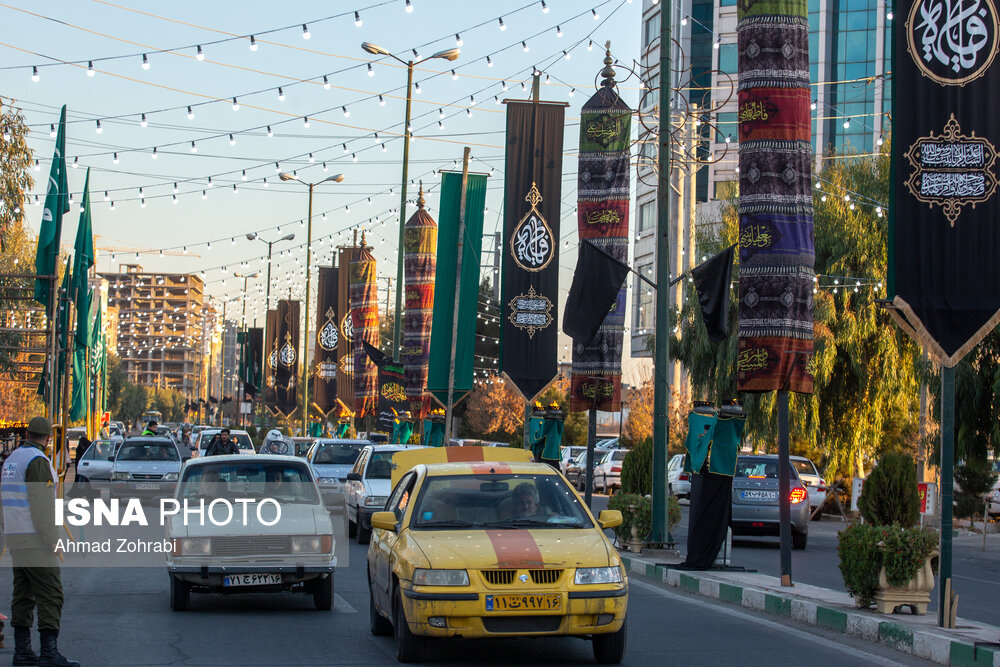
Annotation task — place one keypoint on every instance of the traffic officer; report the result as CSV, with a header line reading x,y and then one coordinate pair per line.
x,y
27,493
150,428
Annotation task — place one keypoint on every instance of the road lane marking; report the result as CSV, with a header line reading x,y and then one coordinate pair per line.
x,y
342,605
730,611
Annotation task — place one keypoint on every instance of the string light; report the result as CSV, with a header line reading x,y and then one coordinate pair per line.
x,y
236,105
270,132
190,113
545,8
371,70
115,158
52,130
524,46
99,128
281,94
559,32
489,62
253,43
145,62
34,74
596,15
381,101
305,31
199,54
90,68
503,26
154,154
357,19
347,114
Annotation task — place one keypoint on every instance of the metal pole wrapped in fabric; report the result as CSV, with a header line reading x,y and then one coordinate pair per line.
x,y
364,316
775,201
419,263
602,219
327,341
530,282
286,369
345,346
270,360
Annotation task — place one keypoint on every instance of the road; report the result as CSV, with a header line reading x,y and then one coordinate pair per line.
x,y
122,617
976,573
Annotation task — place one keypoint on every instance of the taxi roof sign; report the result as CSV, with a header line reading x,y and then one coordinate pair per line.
x,y
405,460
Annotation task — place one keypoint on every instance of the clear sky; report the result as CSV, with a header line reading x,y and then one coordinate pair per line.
x,y
60,38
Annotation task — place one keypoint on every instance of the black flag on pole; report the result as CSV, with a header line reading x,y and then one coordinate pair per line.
x,y
596,283
711,280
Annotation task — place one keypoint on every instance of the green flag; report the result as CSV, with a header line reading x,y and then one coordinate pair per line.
x,y
83,260
56,204
62,330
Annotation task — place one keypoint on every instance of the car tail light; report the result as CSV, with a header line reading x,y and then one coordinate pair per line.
x,y
797,495
683,477
616,468
821,489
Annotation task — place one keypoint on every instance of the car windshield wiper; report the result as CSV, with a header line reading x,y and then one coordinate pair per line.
x,y
447,523
528,521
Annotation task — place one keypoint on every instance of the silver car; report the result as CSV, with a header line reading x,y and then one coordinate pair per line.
x,y
678,480
93,470
608,470
331,460
146,468
755,500
569,455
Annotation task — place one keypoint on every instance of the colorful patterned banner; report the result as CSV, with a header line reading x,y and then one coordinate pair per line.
x,y
529,290
270,360
286,376
419,263
364,316
444,285
345,328
775,204
944,278
327,342
602,218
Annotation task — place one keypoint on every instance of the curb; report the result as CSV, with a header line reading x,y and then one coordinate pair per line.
x,y
936,646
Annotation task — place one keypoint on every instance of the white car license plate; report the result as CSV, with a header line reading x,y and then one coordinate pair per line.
x,y
251,579
757,494
148,486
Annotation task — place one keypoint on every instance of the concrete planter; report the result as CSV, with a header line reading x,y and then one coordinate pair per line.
x,y
635,544
915,595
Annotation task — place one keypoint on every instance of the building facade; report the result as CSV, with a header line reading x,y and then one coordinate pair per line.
x,y
159,326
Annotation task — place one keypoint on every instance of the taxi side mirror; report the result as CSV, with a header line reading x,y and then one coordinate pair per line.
x,y
387,520
609,518
353,477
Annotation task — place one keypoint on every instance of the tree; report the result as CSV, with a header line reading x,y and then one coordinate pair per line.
x,y
639,425
859,352
15,174
494,409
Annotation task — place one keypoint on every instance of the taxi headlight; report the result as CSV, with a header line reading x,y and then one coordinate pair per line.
x,y
121,476
375,501
195,546
170,477
597,575
423,577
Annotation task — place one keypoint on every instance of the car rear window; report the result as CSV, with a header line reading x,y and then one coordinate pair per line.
x,y
805,467
761,468
147,451
242,439
338,453
619,456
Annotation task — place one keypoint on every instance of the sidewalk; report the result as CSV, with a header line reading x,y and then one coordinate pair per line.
x,y
916,635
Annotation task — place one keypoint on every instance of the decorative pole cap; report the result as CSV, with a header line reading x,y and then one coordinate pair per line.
x,y
608,73
420,196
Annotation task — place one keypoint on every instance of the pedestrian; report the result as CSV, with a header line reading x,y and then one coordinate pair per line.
x,y
150,428
223,445
28,493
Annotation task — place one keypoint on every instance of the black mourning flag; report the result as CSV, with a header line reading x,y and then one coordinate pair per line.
x,y
596,283
711,280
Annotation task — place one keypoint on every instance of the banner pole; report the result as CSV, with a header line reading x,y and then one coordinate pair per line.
x,y
784,489
947,489
458,293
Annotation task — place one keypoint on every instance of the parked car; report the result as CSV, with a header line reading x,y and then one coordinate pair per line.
x,y
293,554
576,471
93,471
608,470
811,479
755,500
146,468
368,486
678,481
331,461
568,455
242,439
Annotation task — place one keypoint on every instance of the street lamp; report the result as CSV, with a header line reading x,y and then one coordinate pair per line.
x,y
376,50
287,237
337,178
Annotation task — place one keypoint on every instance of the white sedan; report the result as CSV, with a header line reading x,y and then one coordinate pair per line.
x,y
368,486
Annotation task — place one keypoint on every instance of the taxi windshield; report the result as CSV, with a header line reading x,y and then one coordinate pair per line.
x,y
497,501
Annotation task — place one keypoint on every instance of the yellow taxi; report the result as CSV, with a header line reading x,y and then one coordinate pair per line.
x,y
481,542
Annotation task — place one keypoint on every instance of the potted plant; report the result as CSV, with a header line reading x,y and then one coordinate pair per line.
x,y
887,560
637,518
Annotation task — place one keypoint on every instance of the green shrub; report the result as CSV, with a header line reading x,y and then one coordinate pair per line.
x,y
673,513
889,496
863,549
637,468
637,510
975,481
626,504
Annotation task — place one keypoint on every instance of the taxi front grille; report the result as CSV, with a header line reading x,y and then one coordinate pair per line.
x,y
251,546
498,577
545,576
521,624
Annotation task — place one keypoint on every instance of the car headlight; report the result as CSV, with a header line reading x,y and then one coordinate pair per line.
x,y
375,501
121,476
598,575
312,544
194,546
170,477
424,577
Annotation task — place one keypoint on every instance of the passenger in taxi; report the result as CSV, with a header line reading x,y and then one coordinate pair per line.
x,y
525,500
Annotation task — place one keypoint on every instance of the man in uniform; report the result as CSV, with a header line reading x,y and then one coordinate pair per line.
x,y
150,428
27,492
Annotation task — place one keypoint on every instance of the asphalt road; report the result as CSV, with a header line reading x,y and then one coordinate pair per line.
x,y
976,573
122,617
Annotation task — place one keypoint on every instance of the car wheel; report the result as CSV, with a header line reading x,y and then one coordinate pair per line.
x,y
363,534
380,625
799,540
609,649
180,594
409,647
323,593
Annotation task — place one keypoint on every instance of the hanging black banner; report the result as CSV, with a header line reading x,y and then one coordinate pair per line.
x,y
943,278
327,341
392,400
529,291
270,360
253,357
286,377
345,329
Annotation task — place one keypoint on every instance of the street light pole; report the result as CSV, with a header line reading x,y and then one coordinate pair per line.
x,y
270,244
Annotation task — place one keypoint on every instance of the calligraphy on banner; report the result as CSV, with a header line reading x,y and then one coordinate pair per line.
x,y
270,360
531,244
324,377
952,42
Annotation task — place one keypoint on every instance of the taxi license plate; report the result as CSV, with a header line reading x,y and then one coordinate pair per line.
x,y
760,495
251,579
550,602
148,486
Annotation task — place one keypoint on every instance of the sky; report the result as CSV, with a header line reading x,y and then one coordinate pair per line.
x,y
191,182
